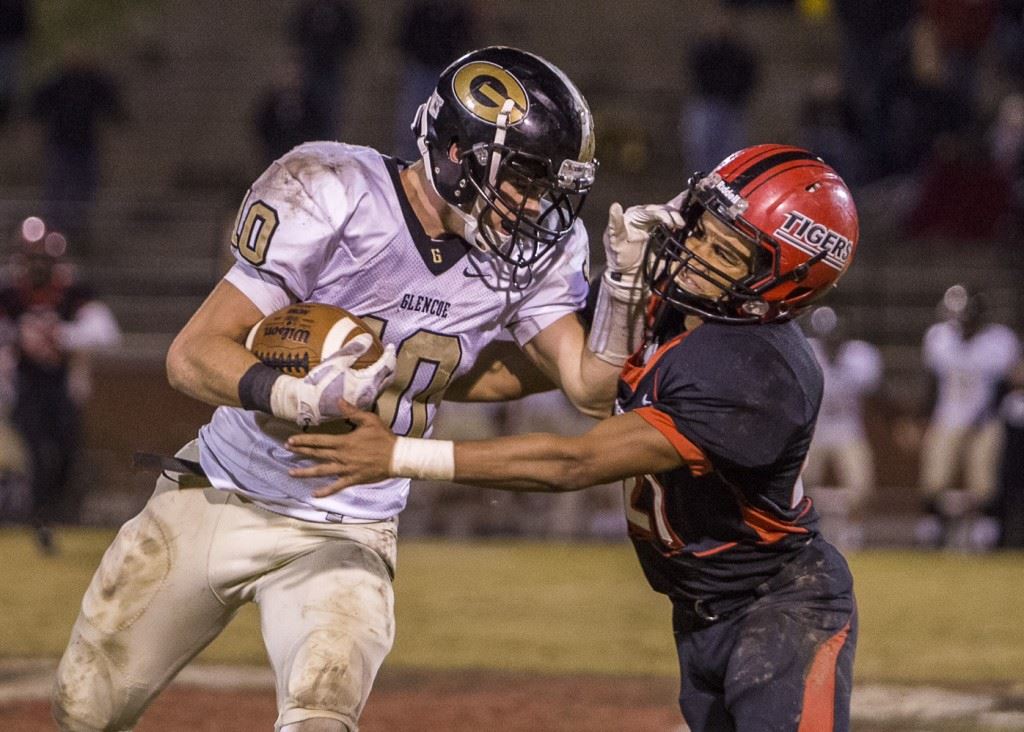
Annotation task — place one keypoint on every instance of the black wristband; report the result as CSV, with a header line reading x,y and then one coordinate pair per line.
x,y
255,385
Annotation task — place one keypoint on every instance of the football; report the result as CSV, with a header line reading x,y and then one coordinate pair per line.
x,y
296,338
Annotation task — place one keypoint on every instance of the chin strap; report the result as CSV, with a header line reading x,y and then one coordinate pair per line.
x,y
499,139
496,240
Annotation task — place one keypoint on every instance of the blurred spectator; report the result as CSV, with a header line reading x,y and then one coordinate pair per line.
x,y
963,194
287,116
874,46
1006,140
968,358
58,324
829,126
1008,506
959,30
1006,136
724,72
914,108
14,33
432,34
70,105
325,32
1009,35
840,448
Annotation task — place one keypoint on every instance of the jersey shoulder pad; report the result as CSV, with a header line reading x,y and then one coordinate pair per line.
x,y
322,180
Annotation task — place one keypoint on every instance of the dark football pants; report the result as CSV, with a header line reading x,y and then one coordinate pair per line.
x,y
782,664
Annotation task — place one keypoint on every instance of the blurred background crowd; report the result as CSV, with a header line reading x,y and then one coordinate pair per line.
x,y
129,132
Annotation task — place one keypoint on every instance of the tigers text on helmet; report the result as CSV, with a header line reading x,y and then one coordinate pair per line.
x,y
790,207
508,142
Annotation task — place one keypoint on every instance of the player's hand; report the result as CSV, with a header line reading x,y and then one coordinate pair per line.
x,y
38,337
626,236
359,457
314,399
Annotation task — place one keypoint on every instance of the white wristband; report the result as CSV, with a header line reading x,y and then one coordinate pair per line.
x,y
423,459
617,326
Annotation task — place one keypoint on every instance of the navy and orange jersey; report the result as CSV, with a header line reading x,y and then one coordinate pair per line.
x,y
60,295
738,402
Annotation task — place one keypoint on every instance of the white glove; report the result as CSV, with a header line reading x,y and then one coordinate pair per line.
x,y
314,399
626,236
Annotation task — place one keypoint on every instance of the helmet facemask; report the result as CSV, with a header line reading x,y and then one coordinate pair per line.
x,y
522,206
669,258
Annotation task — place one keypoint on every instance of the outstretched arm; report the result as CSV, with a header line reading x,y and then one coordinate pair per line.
x,y
617,448
586,365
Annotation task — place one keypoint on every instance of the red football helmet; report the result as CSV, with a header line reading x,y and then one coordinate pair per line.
x,y
795,211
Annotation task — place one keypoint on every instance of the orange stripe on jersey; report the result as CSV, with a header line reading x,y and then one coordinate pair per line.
x,y
694,457
820,686
768,528
633,371
716,550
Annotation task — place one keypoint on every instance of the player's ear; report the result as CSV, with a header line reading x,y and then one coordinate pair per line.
x,y
453,152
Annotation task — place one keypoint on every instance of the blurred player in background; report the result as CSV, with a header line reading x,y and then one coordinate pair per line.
x,y
1008,506
15,467
478,237
852,370
713,421
57,323
968,357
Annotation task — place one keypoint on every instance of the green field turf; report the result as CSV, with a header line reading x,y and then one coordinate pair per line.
x,y
925,617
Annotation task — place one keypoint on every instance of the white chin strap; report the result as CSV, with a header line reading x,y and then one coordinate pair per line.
x,y
470,220
500,238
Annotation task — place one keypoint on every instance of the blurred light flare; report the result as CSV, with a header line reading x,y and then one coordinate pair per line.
x,y
55,244
33,229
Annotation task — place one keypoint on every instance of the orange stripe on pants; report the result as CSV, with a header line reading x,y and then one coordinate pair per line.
x,y
820,686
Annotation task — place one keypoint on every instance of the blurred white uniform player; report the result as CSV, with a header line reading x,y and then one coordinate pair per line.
x,y
852,369
479,237
960,448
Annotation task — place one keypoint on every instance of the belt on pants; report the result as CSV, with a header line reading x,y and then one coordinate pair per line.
x,y
191,475
703,611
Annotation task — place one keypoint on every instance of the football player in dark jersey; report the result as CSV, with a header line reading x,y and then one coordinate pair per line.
x,y
713,419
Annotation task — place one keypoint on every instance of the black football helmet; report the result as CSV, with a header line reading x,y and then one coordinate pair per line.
x,y
504,120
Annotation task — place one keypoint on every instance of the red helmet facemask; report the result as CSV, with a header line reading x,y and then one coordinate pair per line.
x,y
795,213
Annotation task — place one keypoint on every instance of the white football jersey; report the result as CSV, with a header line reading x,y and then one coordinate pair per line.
x,y
854,372
968,370
330,223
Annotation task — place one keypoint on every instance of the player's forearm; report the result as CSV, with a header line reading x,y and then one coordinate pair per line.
x,y
588,381
208,368
598,380
534,462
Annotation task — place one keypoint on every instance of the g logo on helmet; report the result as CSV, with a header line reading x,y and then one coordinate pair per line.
x,y
482,88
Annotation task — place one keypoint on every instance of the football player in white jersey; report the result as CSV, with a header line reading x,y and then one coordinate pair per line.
x,y
479,237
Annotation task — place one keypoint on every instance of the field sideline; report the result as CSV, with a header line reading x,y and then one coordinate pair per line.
x,y
556,608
